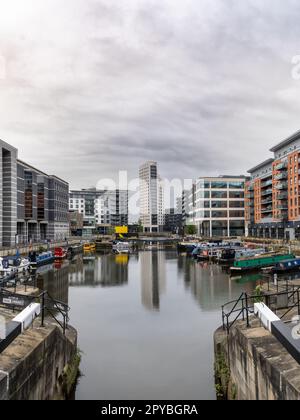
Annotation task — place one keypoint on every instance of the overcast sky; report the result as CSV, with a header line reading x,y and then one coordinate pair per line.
x,y
90,87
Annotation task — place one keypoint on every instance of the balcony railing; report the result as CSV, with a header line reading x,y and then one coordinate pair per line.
x,y
267,192
266,183
283,207
282,196
267,201
282,175
267,210
250,195
281,186
283,215
281,165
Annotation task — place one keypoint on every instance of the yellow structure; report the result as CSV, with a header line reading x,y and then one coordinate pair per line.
x,y
121,230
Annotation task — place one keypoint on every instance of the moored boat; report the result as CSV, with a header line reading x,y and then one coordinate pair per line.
x,y
37,260
74,250
256,263
13,265
286,266
60,253
122,247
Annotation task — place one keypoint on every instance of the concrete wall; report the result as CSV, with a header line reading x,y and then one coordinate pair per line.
x,y
30,368
252,365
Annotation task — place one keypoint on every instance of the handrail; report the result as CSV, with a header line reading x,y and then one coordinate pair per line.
x,y
248,308
44,298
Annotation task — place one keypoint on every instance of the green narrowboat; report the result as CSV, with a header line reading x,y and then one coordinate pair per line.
x,y
251,264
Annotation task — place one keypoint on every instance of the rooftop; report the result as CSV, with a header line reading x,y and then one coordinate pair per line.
x,y
286,142
261,165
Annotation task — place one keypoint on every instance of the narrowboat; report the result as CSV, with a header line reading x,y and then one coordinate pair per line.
x,y
74,250
256,263
286,266
37,260
187,247
60,253
232,254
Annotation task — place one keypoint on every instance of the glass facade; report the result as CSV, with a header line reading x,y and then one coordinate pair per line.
x,y
219,194
219,185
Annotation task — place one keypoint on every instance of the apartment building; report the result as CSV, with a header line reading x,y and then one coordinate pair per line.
x,y
100,208
217,206
33,204
151,198
42,205
272,194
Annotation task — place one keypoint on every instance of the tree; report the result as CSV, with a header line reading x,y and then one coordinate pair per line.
x,y
191,230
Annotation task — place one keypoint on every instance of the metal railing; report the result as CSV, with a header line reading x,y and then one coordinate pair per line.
x,y
243,307
49,306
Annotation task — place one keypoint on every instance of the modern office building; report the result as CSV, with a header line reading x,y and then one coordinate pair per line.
x,y
272,194
151,198
100,208
33,205
8,194
173,221
42,205
217,206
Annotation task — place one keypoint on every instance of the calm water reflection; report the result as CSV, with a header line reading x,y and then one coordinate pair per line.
x,y
145,322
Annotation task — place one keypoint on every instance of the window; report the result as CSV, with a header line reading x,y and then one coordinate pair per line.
x,y
219,185
219,214
237,185
219,204
203,184
236,194
219,194
236,204
236,213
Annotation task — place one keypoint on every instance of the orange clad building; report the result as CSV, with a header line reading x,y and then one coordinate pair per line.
x,y
272,194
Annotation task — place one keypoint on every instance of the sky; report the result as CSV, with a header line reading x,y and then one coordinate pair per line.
x,y
91,87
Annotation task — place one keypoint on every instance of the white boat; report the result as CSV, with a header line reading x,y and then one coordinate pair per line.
x,y
122,247
13,265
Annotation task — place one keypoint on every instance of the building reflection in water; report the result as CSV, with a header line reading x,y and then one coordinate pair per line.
x,y
105,270
55,279
153,278
211,284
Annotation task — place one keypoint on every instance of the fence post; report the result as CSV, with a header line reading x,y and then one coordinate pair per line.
x,y
247,313
43,309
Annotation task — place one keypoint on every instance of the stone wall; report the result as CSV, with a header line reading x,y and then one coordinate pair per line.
x,y
31,368
252,365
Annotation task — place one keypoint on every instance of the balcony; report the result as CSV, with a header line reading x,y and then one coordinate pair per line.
x,y
251,188
282,165
266,183
267,201
282,175
283,207
283,215
250,195
267,210
282,196
281,186
267,192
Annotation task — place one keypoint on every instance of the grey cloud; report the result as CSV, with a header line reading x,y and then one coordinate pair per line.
x,y
93,87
